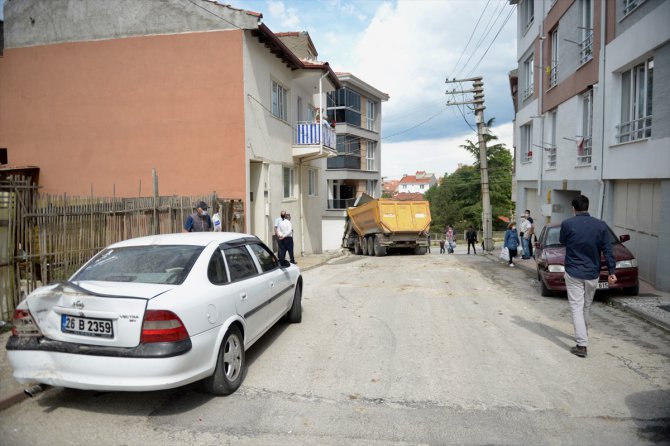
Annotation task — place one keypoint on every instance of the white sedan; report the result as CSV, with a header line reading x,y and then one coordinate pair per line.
x,y
154,313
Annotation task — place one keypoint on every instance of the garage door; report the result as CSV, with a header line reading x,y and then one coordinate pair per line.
x,y
637,212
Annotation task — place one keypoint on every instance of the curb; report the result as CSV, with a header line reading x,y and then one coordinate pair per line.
x,y
640,314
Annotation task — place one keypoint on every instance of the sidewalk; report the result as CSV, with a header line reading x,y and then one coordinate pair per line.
x,y
11,392
650,305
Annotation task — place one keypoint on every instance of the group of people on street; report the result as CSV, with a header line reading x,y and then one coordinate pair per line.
x,y
449,240
524,237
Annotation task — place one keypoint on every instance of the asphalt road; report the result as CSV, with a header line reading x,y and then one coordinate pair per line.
x,y
400,350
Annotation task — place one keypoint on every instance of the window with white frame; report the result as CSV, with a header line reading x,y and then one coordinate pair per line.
x,y
370,115
288,182
312,190
528,77
526,142
586,45
279,101
527,12
370,156
585,142
371,187
553,69
637,86
551,149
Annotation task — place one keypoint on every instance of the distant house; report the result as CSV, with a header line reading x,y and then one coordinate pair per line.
x,y
418,183
390,187
96,94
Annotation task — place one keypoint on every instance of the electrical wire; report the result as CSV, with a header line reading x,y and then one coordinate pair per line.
x,y
470,38
494,39
216,15
417,125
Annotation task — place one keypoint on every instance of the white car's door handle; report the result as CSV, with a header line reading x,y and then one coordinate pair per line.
x,y
243,296
272,284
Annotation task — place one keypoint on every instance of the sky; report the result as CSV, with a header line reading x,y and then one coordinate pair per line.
x,y
408,48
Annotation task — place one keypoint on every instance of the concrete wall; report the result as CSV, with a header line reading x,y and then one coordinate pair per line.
x,y
98,116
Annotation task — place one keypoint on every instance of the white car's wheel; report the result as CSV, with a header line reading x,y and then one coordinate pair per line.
x,y
230,365
294,315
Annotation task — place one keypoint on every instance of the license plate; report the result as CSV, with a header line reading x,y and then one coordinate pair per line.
x,y
86,326
603,285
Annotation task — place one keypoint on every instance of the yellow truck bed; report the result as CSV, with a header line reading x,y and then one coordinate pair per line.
x,y
390,216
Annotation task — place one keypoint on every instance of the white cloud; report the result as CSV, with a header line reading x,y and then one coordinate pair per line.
x,y
287,17
409,49
439,156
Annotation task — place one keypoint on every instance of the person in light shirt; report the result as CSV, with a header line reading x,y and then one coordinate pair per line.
x,y
285,238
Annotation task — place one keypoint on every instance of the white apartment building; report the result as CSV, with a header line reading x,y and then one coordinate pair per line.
x,y
592,118
356,112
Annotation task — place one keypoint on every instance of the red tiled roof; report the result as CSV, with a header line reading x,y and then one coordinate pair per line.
x,y
413,179
405,196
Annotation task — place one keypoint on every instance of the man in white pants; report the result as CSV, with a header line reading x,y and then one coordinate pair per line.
x,y
585,238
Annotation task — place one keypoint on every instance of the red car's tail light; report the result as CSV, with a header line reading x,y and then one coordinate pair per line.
x,y
162,326
24,324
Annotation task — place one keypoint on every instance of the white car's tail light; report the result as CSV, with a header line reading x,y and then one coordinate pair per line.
x,y
162,326
24,324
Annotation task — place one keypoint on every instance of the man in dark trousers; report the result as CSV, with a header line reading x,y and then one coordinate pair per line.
x,y
471,235
585,238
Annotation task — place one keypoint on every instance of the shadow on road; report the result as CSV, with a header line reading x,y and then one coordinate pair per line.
x,y
550,333
651,413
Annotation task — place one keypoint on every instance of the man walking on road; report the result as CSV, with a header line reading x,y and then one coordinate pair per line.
x,y
471,235
585,238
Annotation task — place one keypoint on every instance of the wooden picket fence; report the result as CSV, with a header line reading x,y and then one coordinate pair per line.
x,y
45,238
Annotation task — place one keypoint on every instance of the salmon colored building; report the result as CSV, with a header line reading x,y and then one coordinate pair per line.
x,y
97,94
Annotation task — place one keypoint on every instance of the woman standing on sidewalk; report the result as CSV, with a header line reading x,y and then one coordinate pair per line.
x,y
511,242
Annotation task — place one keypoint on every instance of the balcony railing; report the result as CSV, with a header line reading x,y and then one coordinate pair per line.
x,y
586,49
314,134
553,75
633,130
584,151
342,203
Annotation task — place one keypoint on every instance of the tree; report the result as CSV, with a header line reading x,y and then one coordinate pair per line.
x,y
457,200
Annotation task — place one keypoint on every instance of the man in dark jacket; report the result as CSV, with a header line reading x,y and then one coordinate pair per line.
x,y
585,238
471,236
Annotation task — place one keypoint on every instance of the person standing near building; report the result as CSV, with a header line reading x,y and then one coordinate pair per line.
x,y
585,238
199,221
285,237
511,242
275,236
532,232
524,227
471,235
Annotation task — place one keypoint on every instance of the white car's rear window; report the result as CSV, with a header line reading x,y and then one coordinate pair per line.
x,y
161,264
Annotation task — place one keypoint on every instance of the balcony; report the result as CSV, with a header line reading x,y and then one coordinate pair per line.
x,y
341,204
345,162
586,49
313,139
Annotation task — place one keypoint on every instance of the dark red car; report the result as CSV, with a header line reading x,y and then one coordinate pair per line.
x,y
550,258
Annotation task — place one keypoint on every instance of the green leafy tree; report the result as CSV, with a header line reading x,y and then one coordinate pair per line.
x,y
457,200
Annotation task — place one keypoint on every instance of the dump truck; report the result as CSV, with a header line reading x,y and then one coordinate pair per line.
x,y
373,226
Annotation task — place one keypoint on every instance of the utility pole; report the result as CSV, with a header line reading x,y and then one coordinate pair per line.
x,y
478,102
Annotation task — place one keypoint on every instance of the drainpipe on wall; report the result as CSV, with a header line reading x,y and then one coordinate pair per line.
x,y
302,205
601,75
540,112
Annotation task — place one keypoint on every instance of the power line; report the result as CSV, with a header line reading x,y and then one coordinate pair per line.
x,y
417,125
494,39
488,28
216,15
470,38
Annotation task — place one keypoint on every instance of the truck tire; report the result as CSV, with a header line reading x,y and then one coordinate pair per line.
x,y
364,246
371,245
358,250
420,250
379,249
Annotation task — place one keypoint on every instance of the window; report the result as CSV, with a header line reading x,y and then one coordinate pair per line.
x,y
267,260
216,270
311,183
371,187
344,105
528,77
636,102
551,150
370,115
585,145
422,186
527,12
553,69
526,143
240,263
279,101
586,46
288,182
301,113
370,155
